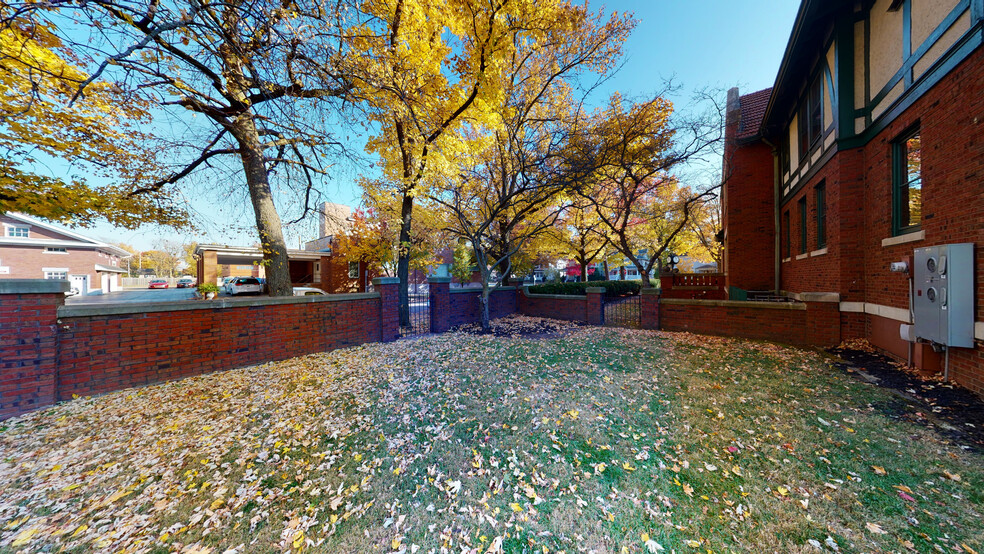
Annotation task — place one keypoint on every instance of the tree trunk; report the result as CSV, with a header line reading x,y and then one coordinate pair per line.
x,y
484,301
403,261
267,219
584,270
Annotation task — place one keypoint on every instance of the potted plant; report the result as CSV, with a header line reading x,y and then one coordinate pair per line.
x,y
208,290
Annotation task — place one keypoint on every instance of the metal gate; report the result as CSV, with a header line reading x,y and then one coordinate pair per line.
x,y
419,316
623,311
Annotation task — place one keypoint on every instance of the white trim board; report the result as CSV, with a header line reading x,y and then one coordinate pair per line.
x,y
898,314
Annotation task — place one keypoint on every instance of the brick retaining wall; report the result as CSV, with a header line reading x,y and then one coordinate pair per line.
x,y
50,351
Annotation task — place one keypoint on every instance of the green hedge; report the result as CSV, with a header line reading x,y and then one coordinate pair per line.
x,y
612,288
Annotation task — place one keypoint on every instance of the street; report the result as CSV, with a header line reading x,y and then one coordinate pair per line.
x,y
133,296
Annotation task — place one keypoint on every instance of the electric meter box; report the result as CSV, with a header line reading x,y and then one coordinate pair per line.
x,y
943,294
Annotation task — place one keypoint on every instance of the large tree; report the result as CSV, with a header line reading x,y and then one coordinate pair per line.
x,y
636,148
429,66
509,188
243,79
97,135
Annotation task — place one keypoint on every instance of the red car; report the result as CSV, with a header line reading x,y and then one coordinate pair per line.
x,y
158,284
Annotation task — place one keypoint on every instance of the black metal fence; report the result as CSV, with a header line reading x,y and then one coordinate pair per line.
x,y
623,311
419,316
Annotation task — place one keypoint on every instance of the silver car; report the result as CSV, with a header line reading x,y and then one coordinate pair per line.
x,y
244,285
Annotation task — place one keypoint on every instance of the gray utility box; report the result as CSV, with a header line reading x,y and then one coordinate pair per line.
x,y
943,294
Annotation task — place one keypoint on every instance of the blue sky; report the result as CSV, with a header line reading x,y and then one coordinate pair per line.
x,y
697,43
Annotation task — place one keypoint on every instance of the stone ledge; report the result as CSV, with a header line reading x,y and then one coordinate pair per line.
x,y
436,279
91,310
528,294
33,286
594,290
478,290
734,304
651,290
386,281
902,239
813,296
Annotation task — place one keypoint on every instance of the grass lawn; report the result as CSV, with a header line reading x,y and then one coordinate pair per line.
x,y
605,440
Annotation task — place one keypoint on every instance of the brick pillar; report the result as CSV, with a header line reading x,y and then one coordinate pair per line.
x,y
389,302
822,318
325,277
28,343
649,304
440,303
595,305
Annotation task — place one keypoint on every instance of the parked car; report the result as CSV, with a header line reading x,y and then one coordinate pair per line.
x,y
158,284
225,284
308,291
244,285
186,282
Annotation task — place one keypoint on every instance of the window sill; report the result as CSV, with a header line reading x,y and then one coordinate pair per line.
x,y
820,252
902,239
802,256
784,260
46,252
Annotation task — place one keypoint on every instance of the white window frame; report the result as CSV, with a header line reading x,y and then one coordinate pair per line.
x,y
46,270
9,228
52,250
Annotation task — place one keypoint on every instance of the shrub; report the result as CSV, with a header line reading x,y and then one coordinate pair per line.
x,y
596,276
612,288
206,288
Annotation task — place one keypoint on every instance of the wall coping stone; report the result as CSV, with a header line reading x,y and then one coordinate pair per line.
x,y
33,286
814,296
436,279
735,304
386,281
528,294
594,290
89,310
651,290
466,290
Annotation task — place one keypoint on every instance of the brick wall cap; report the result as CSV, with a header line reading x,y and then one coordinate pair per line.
x,y
386,281
528,294
33,286
594,290
735,304
651,290
436,279
814,296
89,310
466,290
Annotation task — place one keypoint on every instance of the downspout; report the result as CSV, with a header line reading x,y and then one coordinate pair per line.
x,y
776,182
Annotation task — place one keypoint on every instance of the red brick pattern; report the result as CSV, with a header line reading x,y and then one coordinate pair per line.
x,y
440,306
28,349
572,308
99,354
814,326
464,307
748,218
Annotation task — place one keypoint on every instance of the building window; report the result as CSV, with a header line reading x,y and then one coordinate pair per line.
x,y
18,231
353,268
811,118
55,250
907,184
788,234
802,218
56,274
821,202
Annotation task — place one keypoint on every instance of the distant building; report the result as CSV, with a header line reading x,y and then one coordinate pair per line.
x,y
33,249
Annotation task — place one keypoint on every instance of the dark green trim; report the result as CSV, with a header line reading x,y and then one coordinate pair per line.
x,y
810,174
907,29
976,10
844,68
900,180
867,71
820,202
909,61
972,40
803,216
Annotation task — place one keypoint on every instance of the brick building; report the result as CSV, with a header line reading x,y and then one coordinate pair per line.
x,y
869,146
33,249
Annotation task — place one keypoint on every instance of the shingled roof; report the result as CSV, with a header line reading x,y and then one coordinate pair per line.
x,y
752,111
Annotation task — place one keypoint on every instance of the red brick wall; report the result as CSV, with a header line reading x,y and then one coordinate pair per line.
x,y
103,353
571,308
748,202
816,325
28,343
464,307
